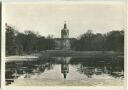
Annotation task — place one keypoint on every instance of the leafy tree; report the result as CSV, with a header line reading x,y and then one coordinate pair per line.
x,y
10,40
112,41
18,43
115,40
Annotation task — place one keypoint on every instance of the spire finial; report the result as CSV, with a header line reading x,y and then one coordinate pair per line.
x,y
65,26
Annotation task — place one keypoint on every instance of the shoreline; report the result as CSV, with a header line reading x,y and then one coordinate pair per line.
x,y
66,53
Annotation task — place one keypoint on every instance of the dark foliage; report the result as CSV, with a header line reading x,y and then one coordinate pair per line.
x,y
112,41
18,43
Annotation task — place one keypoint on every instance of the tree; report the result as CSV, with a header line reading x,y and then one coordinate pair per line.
x,y
115,40
112,41
10,40
31,40
85,41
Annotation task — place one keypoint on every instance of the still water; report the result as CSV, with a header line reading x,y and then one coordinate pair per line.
x,y
69,71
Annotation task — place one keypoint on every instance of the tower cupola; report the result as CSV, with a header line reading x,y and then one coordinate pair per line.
x,y
65,31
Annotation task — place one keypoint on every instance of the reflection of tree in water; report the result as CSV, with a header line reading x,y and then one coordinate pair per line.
x,y
88,71
28,68
90,67
116,69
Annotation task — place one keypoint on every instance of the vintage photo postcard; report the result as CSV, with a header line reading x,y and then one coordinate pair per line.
x,y
64,44
0,44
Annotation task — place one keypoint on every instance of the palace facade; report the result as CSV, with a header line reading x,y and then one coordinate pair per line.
x,y
63,43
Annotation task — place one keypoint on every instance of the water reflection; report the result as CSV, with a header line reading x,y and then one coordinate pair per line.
x,y
83,66
65,65
93,66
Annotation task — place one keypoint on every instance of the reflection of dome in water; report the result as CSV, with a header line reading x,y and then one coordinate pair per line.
x,y
65,66
64,70
65,74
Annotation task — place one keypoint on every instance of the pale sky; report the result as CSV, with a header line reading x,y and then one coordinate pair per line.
x,y
55,0
49,18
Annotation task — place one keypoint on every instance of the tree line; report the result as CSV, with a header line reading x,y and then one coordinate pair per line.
x,y
27,42
111,41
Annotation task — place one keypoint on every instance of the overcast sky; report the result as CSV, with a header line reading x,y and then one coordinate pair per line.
x,y
55,0
49,18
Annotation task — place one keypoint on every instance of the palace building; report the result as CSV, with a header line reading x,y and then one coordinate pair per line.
x,y
63,43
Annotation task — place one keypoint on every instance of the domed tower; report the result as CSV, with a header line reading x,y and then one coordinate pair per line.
x,y
65,32
65,42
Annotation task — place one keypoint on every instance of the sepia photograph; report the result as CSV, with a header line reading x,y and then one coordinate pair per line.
x,y
65,44
0,43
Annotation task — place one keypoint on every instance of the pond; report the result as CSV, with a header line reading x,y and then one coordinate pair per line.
x,y
66,71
